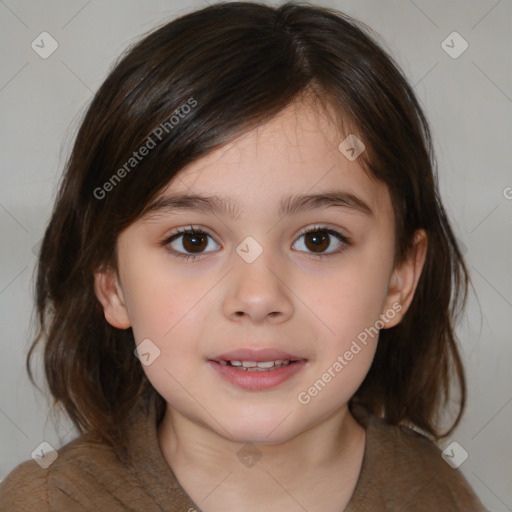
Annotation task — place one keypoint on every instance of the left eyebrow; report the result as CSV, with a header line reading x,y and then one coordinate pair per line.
x,y
289,205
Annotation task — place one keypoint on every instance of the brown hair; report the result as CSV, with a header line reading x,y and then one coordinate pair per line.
x,y
242,63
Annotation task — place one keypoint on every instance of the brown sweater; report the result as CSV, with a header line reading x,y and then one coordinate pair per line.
x,y
402,471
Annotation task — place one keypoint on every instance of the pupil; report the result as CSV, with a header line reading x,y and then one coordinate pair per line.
x,y
193,241
318,240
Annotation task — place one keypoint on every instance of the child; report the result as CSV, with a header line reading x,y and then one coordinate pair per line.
x,y
248,285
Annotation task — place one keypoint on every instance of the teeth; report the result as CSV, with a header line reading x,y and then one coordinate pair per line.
x,y
257,365
266,364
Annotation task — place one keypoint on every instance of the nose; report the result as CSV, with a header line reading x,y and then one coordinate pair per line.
x,y
259,292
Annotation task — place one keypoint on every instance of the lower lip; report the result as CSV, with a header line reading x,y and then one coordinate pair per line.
x,y
257,380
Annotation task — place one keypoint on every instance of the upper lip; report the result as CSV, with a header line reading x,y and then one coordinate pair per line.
x,y
248,354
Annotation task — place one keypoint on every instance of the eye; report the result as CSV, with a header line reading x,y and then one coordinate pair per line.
x,y
193,241
319,238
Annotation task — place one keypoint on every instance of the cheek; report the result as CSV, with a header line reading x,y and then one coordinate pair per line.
x,y
351,299
169,314
169,311
159,300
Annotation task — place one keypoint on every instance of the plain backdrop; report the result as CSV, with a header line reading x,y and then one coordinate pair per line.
x,y
467,98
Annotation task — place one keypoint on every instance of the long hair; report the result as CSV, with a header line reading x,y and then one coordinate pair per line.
x,y
238,65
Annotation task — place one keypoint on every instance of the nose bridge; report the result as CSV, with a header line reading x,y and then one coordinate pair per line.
x,y
255,267
257,289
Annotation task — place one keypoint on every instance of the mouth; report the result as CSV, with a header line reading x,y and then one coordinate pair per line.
x,y
258,366
256,370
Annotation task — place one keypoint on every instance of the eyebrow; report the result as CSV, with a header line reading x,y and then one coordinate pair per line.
x,y
289,205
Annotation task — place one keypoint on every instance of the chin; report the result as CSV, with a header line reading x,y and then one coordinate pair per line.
x,y
267,430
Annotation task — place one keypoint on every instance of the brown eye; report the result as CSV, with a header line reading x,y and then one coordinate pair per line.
x,y
189,242
194,242
318,240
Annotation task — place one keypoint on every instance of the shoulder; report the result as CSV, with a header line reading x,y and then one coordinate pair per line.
x,y
24,489
73,481
407,470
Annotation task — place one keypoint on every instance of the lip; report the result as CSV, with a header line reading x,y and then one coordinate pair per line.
x,y
248,354
255,380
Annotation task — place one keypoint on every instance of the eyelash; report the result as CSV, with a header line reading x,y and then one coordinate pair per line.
x,y
198,231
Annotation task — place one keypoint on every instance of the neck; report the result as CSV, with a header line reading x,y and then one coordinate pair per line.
x,y
200,458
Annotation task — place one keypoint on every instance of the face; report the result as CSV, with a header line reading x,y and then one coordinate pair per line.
x,y
272,278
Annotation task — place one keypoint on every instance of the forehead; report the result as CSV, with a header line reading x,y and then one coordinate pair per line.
x,y
296,152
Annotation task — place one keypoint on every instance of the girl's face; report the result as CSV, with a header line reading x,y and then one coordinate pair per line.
x,y
259,284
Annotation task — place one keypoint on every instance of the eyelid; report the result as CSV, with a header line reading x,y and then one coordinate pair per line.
x,y
322,227
190,227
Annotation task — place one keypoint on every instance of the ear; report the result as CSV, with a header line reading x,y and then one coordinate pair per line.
x,y
109,292
405,279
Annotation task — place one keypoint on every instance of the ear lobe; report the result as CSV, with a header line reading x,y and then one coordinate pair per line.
x,y
109,292
405,279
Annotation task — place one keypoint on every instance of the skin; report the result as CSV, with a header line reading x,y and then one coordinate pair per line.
x,y
286,299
